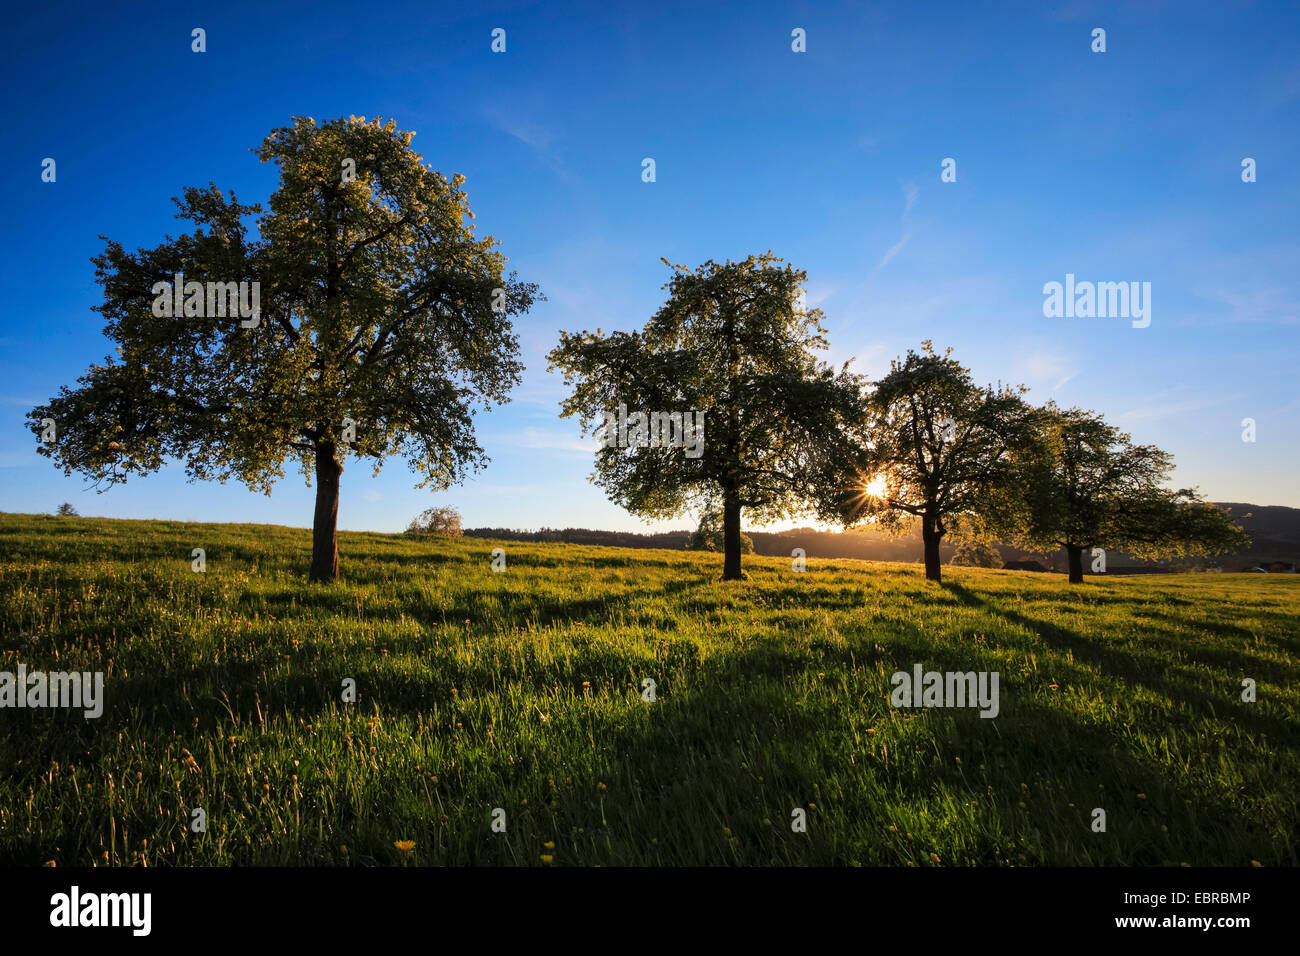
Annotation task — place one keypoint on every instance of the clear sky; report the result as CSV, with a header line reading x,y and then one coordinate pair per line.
x,y
1115,166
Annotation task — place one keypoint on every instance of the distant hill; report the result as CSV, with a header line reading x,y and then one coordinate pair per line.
x,y
1274,530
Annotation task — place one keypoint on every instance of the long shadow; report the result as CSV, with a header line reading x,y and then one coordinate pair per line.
x,y
1130,669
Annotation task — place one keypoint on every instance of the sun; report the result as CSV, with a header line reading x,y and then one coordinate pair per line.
x,y
875,488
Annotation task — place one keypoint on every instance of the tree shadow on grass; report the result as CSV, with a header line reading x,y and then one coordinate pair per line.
x,y
1133,669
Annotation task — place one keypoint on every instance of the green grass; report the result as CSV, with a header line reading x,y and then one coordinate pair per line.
x,y
521,690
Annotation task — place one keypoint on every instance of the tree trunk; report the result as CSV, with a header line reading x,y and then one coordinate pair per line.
x,y
1076,563
324,534
931,533
731,537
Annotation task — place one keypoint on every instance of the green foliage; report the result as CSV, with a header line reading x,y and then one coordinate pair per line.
x,y
523,691
939,441
376,306
976,554
734,341
939,447
67,511
441,522
1083,483
708,535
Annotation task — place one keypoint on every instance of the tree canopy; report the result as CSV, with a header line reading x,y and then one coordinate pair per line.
x,y
938,445
383,324
735,344
1083,483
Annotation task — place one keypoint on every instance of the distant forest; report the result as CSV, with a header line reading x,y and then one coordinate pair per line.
x,y
1274,530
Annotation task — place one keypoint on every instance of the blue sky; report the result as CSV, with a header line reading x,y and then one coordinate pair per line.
x,y
1115,166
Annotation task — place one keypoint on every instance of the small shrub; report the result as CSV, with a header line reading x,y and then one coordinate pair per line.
x,y
442,522
708,536
977,554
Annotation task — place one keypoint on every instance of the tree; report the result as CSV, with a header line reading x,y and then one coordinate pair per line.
x,y
708,535
371,323
1084,484
977,554
939,445
67,511
441,522
733,348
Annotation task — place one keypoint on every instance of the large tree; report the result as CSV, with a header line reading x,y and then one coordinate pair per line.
x,y
939,444
1084,484
736,344
384,322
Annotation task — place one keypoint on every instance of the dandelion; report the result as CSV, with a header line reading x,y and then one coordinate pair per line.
x,y
406,846
1142,796
935,857
549,844
586,683
1256,863
871,730
547,858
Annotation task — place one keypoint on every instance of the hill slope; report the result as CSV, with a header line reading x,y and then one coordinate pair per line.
x,y
1274,529
521,691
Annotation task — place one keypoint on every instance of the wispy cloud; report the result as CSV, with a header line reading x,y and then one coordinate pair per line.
x,y
890,253
911,192
538,138
1158,408
549,440
1053,367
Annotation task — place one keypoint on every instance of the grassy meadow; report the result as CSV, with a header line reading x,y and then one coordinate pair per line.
x,y
521,690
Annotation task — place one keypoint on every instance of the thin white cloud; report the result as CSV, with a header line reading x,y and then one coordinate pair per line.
x,y
1164,409
548,440
890,253
1051,367
910,194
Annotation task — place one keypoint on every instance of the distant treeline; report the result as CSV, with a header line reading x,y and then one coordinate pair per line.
x,y
1275,530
